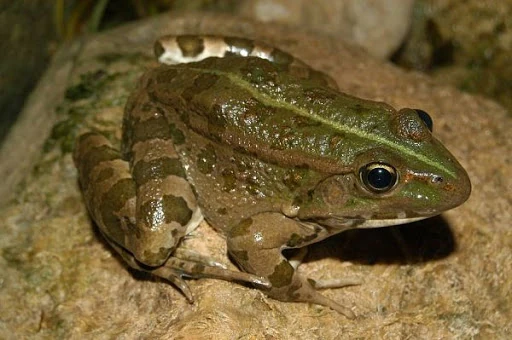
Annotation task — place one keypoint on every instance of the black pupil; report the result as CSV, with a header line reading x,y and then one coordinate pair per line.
x,y
425,117
380,178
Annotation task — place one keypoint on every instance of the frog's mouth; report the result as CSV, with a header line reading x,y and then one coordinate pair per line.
x,y
370,221
377,223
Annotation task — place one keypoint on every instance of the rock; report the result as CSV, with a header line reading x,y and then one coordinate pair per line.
x,y
446,277
378,26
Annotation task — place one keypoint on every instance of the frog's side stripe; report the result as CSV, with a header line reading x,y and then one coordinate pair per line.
x,y
275,103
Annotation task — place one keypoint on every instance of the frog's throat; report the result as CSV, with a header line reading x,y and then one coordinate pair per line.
x,y
267,100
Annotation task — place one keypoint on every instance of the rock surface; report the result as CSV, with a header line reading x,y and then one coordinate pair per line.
x,y
378,26
447,277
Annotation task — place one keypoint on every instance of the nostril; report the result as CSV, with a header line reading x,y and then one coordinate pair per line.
x,y
437,179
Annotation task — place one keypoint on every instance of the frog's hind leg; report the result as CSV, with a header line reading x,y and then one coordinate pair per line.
x,y
256,245
110,193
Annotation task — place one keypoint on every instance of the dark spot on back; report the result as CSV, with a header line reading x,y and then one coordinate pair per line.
x,y
202,82
205,81
151,129
222,211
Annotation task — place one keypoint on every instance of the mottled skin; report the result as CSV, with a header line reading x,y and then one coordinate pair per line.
x,y
272,153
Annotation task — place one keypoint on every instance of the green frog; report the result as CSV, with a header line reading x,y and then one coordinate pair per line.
x,y
269,152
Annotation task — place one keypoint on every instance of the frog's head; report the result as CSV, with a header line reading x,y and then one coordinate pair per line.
x,y
406,175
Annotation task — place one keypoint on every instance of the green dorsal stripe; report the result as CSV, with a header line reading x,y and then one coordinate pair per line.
x,y
270,101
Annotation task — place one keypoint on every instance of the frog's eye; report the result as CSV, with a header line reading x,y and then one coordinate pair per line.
x,y
378,177
425,117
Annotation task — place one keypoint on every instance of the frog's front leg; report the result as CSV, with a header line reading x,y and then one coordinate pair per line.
x,y
256,244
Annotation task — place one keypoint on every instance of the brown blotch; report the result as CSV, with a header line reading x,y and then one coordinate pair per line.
x,y
407,124
94,157
241,229
202,82
282,275
111,203
190,45
175,210
151,129
222,211
158,168
237,45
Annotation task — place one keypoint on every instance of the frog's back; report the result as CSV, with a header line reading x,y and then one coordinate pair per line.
x,y
279,114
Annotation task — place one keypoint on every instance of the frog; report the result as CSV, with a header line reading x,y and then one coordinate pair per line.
x,y
269,152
